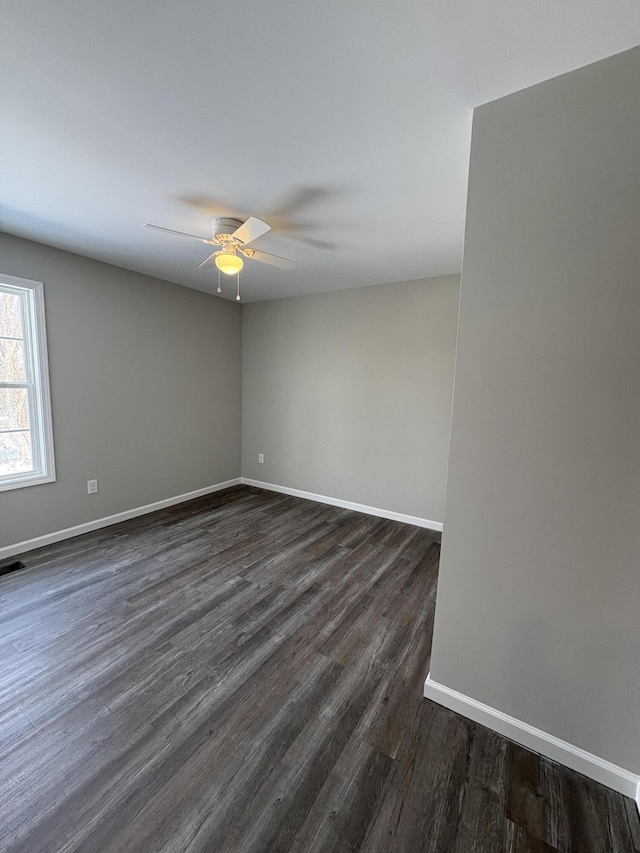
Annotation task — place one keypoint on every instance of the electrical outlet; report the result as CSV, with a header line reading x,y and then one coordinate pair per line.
x,y
92,487
261,457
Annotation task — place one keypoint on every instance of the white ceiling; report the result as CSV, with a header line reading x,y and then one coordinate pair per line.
x,y
346,125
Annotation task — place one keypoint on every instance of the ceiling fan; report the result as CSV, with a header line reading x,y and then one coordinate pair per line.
x,y
233,237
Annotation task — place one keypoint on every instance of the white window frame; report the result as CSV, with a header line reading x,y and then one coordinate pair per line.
x,y
31,295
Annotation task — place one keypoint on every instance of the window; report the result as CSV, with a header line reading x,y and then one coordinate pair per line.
x,y
26,435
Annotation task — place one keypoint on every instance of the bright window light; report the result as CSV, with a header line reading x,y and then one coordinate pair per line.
x,y
26,433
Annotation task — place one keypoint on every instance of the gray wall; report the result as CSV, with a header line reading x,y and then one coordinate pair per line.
x,y
348,394
145,387
538,607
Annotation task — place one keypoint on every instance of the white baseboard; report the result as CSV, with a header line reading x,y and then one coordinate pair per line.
x,y
590,765
69,532
96,524
324,499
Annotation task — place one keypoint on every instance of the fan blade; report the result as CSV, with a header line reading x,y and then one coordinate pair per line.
x,y
251,230
206,261
178,233
274,260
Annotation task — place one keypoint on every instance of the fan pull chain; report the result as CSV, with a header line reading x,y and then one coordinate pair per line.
x,y
237,287
219,288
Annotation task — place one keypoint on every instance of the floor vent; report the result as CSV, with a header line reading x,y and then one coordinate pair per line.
x,y
11,565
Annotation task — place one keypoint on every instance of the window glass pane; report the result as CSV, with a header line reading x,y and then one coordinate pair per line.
x,y
26,440
14,409
12,361
10,324
15,453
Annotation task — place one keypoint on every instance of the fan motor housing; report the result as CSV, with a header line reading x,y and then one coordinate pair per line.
x,y
222,229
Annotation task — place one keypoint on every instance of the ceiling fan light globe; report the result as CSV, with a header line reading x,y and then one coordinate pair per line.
x,y
229,263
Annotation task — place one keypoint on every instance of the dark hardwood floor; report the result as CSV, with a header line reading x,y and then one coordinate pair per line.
x,y
244,673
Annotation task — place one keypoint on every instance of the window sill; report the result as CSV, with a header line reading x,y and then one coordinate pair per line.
x,y
27,480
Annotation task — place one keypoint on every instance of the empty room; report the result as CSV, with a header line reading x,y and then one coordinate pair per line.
x,y
319,427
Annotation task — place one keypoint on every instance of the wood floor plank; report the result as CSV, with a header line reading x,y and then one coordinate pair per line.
x,y
633,817
347,802
243,673
525,805
291,789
